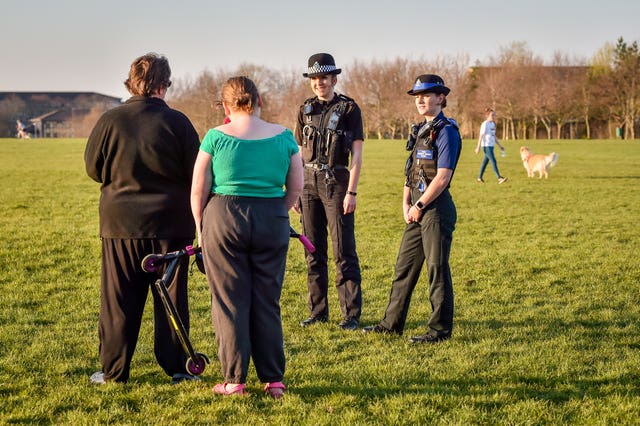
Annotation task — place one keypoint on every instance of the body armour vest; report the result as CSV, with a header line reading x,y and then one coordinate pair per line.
x,y
422,164
325,139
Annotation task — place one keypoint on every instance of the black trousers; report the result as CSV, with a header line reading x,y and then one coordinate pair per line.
x,y
245,242
429,240
321,205
124,291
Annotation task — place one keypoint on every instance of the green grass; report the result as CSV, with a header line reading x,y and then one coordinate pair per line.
x,y
545,273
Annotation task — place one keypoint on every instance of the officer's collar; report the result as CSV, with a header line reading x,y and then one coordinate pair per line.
x,y
440,116
327,103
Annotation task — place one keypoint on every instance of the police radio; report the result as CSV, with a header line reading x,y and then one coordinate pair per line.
x,y
413,134
432,126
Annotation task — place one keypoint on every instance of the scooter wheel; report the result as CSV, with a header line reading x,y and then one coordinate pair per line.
x,y
197,366
149,263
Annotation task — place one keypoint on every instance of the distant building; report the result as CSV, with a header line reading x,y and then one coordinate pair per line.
x,y
53,114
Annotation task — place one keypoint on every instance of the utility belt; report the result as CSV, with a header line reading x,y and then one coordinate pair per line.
x,y
329,174
320,166
309,131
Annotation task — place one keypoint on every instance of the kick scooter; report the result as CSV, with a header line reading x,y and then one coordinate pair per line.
x,y
196,362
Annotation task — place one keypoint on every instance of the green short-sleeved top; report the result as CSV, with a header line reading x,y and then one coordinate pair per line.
x,y
249,168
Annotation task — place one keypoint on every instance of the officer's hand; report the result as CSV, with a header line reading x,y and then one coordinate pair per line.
x,y
414,214
406,208
296,207
349,203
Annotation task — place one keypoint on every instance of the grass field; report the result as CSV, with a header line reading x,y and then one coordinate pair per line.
x,y
547,324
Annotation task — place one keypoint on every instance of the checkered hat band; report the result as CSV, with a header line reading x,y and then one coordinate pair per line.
x,y
317,68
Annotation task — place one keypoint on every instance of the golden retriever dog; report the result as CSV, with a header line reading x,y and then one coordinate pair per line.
x,y
537,162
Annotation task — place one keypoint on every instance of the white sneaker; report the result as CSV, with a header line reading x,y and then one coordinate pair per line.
x,y
97,378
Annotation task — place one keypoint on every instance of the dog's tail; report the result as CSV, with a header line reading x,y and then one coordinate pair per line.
x,y
552,159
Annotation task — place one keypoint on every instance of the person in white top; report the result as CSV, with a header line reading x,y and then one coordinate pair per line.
x,y
487,139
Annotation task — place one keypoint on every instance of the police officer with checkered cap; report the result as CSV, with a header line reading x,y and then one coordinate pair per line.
x,y
330,134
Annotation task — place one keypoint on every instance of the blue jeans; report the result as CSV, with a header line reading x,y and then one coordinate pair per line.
x,y
488,156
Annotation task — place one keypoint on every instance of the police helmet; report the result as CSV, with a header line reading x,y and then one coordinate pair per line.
x,y
429,83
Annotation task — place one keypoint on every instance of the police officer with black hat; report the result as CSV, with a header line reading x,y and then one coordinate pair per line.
x,y
330,134
429,213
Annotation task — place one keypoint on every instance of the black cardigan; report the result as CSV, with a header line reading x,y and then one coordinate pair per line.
x,y
143,154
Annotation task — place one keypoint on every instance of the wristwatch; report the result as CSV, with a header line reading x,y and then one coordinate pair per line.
x,y
419,205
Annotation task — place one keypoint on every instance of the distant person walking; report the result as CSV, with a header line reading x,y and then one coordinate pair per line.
x,y
142,153
486,140
21,129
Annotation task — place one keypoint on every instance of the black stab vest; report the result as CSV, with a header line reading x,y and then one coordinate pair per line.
x,y
325,139
422,164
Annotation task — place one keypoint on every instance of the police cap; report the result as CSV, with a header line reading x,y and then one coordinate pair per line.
x,y
429,83
321,64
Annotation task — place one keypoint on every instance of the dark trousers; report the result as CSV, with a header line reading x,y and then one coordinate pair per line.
x,y
429,240
245,242
321,205
124,292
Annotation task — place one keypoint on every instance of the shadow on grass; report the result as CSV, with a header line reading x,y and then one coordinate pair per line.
x,y
555,390
610,177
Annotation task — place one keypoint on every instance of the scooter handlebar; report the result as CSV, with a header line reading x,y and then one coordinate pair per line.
x,y
303,239
306,243
152,262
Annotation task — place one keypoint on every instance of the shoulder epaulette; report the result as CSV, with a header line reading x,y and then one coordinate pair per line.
x,y
453,122
439,124
345,98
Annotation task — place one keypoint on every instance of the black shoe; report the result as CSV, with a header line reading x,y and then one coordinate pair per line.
x,y
378,329
430,338
349,324
183,377
313,320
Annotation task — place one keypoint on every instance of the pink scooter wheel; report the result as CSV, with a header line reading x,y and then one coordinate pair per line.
x,y
149,263
197,366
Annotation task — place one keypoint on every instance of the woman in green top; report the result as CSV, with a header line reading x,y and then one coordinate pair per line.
x,y
247,176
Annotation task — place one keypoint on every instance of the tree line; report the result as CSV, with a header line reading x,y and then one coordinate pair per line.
x,y
564,99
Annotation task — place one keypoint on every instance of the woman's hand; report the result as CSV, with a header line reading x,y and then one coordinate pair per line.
x,y
405,209
414,214
349,203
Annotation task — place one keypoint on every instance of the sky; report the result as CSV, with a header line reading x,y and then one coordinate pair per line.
x,y
88,45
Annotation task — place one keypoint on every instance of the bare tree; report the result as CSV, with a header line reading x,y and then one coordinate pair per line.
x,y
10,110
563,99
565,83
505,83
626,71
198,99
614,76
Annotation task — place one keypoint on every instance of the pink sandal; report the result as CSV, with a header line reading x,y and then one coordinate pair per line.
x,y
275,389
229,389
